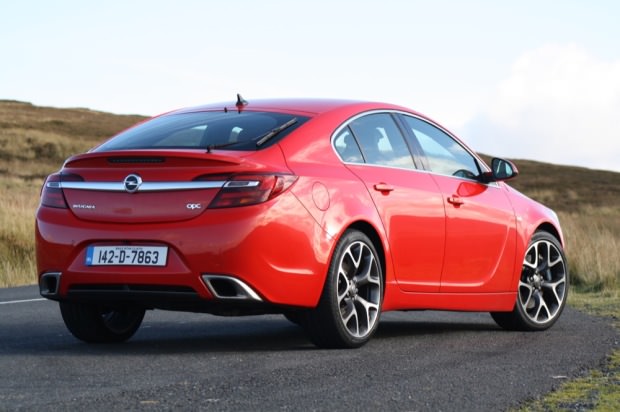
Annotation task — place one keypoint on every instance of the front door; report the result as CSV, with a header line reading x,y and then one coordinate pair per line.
x,y
480,222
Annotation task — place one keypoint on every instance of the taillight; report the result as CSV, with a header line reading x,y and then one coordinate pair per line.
x,y
245,190
51,194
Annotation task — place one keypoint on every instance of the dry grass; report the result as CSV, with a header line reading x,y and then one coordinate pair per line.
x,y
35,141
567,188
593,245
17,265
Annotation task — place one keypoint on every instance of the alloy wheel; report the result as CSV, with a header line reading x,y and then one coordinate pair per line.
x,y
542,288
359,289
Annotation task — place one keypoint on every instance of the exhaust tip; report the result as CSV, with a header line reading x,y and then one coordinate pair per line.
x,y
49,283
227,287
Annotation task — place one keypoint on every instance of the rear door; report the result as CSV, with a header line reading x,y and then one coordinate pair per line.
x,y
408,200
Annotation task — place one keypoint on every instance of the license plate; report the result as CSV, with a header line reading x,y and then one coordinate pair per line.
x,y
126,255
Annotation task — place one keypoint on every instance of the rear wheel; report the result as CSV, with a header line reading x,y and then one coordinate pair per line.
x,y
350,306
543,287
99,323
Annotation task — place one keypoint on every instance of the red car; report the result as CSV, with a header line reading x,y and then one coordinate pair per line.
x,y
327,211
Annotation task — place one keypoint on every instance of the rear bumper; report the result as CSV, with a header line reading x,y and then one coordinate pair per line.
x,y
166,297
263,256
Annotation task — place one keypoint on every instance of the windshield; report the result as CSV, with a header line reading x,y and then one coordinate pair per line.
x,y
206,130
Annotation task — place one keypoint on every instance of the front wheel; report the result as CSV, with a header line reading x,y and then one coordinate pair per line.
x,y
543,287
99,323
349,309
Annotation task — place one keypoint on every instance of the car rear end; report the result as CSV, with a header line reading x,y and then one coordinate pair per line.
x,y
197,218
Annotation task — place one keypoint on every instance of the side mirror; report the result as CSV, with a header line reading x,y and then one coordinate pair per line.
x,y
501,169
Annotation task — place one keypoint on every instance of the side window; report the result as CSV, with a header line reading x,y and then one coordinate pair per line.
x,y
381,141
445,155
347,147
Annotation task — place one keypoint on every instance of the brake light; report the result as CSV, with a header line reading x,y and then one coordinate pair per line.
x,y
51,194
245,190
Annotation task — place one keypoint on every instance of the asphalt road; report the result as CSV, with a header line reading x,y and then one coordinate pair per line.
x,y
417,361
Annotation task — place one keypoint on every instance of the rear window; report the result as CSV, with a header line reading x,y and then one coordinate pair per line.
x,y
202,130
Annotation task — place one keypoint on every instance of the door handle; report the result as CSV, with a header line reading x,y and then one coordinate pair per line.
x,y
455,200
383,187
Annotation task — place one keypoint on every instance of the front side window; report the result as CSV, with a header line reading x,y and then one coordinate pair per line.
x,y
445,155
381,141
200,130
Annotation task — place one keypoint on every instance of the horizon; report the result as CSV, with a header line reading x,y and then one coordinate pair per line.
x,y
523,80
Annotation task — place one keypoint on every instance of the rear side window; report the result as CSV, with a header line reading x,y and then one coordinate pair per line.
x,y
347,147
381,141
201,130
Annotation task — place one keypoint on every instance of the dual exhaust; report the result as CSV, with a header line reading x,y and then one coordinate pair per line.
x,y
229,288
221,287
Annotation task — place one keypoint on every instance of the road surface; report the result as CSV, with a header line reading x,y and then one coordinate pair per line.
x,y
417,361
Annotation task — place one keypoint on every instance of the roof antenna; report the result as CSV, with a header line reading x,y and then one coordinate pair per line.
x,y
241,102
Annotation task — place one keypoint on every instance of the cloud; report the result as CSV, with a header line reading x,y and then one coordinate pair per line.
x,y
560,104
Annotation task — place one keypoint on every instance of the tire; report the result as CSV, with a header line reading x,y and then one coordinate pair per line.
x,y
543,287
101,324
350,306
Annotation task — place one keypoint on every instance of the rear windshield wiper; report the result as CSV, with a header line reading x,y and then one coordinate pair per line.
x,y
221,145
261,141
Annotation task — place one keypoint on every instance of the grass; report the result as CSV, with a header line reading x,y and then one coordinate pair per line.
x,y
593,243
16,238
598,391
34,141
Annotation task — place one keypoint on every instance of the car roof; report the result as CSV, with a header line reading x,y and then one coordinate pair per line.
x,y
309,107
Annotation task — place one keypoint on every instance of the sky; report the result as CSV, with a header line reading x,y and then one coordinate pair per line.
x,y
521,79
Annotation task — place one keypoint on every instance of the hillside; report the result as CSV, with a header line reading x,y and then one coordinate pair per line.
x,y
34,141
566,188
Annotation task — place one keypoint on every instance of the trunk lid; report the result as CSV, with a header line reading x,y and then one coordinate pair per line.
x,y
147,186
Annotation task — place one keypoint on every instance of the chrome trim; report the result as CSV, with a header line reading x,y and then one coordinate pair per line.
x,y
144,187
243,291
235,184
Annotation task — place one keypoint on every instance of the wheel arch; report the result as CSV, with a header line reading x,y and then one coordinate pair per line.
x,y
552,230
